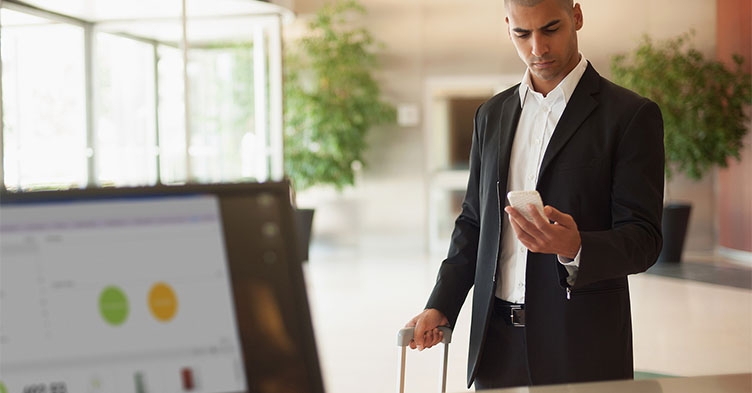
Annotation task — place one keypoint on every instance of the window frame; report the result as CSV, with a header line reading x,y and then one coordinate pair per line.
x,y
267,64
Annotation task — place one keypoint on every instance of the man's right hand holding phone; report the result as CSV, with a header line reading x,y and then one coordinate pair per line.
x,y
553,232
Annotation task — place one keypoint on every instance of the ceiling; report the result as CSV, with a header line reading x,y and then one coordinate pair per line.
x,y
160,20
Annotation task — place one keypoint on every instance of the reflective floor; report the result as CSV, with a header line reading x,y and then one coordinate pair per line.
x,y
361,296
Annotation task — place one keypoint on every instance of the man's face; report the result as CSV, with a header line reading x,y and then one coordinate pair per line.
x,y
545,37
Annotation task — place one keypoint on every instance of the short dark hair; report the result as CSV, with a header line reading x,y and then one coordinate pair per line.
x,y
568,4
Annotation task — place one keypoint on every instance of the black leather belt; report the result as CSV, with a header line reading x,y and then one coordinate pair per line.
x,y
513,314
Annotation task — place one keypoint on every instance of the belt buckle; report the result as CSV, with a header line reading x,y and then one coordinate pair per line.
x,y
517,315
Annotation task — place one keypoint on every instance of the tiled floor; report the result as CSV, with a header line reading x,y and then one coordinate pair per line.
x,y
360,297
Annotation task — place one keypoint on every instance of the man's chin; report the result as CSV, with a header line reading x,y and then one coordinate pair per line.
x,y
544,75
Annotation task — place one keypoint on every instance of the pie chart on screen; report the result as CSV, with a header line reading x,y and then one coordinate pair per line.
x,y
163,303
113,305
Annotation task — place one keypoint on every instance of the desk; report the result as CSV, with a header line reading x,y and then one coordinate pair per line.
x,y
733,383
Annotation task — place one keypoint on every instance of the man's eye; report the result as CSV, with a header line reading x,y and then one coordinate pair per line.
x,y
523,35
551,31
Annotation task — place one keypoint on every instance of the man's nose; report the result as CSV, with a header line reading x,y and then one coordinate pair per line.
x,y
540,45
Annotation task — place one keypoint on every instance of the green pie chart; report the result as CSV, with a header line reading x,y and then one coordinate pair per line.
x,y
113,306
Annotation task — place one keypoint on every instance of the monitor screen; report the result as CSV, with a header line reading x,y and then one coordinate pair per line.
x,y
161,289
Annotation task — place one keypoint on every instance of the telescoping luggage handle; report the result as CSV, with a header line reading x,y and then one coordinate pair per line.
x,y
404,336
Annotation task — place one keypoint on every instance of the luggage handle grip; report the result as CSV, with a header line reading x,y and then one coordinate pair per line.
x,y
405,335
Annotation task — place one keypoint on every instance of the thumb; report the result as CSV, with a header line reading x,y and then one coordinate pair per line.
x,y
556,216
551,212
418,333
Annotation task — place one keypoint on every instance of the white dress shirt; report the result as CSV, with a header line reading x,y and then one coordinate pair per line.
x,y
538,120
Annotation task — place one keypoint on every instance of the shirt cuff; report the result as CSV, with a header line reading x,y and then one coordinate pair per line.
x,y
572,266
571,262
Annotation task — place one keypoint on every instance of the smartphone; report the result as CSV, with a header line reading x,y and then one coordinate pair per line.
x,y
520,199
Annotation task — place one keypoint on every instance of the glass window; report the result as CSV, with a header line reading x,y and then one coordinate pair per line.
x,y
91,97
125,139
171,109
222,115
44,102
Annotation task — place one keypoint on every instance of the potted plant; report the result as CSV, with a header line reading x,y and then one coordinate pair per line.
x,y
331,100
703,104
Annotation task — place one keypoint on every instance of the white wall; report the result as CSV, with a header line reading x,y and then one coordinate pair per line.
x,y
459,38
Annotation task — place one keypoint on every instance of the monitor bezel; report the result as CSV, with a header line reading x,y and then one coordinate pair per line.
x,y
290,268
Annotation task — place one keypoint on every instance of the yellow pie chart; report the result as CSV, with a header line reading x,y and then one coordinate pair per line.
x,y
163,303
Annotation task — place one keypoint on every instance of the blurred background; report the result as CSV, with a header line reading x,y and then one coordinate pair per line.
x,y
100,92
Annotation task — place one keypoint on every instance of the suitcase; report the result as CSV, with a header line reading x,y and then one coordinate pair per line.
x,y
404,336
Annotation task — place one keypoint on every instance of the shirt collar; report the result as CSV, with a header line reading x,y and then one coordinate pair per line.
x,y
566,86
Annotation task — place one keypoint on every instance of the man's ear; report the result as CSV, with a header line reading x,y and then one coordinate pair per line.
x,y
577,14
509,31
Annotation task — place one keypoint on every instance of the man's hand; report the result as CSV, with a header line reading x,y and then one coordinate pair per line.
x,y
542,236
426,326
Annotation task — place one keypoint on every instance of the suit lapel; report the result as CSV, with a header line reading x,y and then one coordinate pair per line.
x,y
579,107
511,109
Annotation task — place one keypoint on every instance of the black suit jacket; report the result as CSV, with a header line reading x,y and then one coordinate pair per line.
x,y
604,166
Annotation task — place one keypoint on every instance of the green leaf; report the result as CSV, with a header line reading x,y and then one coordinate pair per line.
x,y
331,98
702,101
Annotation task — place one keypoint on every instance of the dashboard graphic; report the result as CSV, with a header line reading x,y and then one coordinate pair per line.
x,y
128,295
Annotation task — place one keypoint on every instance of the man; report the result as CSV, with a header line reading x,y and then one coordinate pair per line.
x,y
551,298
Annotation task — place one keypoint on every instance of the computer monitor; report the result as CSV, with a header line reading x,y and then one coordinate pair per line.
x,y
194,288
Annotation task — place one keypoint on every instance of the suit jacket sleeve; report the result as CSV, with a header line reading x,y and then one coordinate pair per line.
x,y
457,271
634,241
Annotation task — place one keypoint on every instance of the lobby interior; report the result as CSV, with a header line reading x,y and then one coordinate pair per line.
x,y
375,250
376,247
